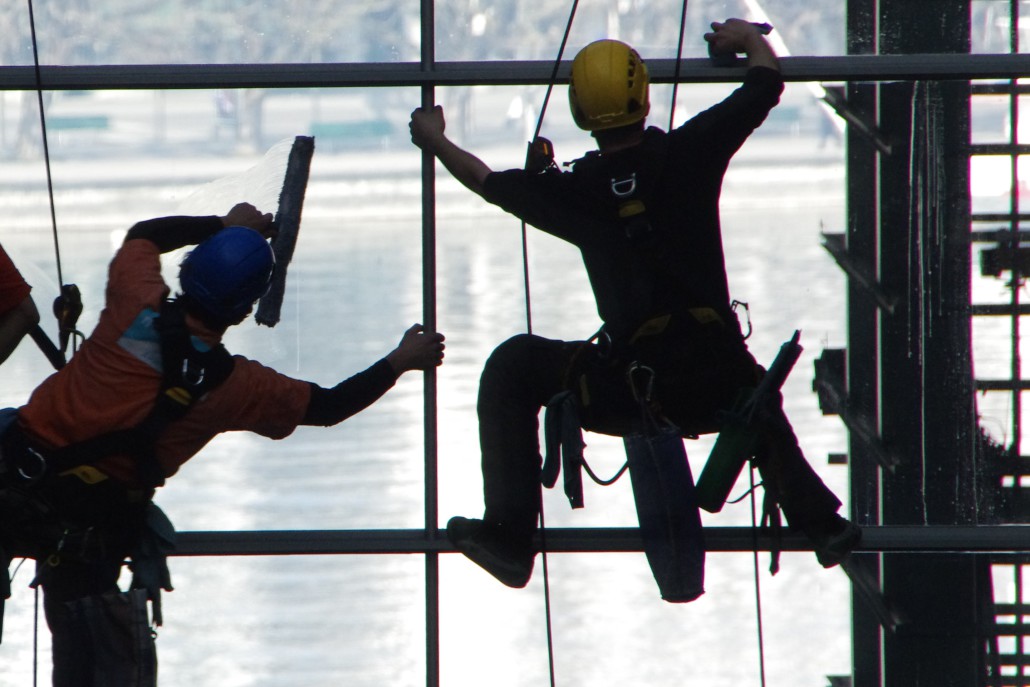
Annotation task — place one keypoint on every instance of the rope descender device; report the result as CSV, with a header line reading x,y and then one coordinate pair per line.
x,y
540,156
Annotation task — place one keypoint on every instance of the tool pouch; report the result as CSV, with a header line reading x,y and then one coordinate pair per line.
x,y
670,523
149,559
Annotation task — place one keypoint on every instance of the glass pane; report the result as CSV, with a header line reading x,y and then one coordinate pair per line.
x,y
267,622
992,351
1022,133
475,30
990,119
354,287
601,601
1022,183
355,284
990,183
990,25
215,31
784,187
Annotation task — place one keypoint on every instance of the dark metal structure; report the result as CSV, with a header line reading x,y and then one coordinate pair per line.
x,y
918,455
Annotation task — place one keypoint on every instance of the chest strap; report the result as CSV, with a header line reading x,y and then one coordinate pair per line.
x,y
188,375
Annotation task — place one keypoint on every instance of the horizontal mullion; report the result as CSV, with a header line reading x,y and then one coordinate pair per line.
x,y
1000,309
1005,217
950,66
926,539
1001,88
1002,384
1022,628
998,149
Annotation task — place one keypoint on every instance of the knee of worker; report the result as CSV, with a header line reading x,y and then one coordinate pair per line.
x,y
507,367
779,430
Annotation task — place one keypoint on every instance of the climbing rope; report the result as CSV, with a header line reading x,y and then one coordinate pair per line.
x,y
57,253
536,138
68,304
46,145
529,330
758,584
679,56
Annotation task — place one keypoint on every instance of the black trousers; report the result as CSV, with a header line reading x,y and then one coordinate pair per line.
x,y
695,377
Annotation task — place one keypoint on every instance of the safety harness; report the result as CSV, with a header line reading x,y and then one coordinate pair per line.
x,y
628,190
188,374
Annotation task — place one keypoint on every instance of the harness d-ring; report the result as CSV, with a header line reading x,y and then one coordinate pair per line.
x,y
622,188
192,376
41,467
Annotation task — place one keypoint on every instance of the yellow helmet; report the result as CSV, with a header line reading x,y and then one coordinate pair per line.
x,y
608,87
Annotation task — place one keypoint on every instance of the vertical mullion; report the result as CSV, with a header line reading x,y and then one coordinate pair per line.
x,y
432,561
1014,229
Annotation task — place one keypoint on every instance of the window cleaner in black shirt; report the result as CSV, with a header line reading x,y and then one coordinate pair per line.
x,y
644,211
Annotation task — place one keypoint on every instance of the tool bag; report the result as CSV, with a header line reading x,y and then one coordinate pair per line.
x,y
103,623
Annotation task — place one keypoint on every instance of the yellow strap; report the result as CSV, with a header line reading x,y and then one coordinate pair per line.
x,y
179,395
87,473
631,208
705,315
655,325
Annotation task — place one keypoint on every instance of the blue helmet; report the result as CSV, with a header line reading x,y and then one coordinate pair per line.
x,y
228,272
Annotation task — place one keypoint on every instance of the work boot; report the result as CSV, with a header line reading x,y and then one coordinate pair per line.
x,y
490,547
834,540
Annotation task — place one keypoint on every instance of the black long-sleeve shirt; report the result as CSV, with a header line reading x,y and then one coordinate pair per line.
x,y
678,178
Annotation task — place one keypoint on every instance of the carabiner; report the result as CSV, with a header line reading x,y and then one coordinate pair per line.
x,y
631,371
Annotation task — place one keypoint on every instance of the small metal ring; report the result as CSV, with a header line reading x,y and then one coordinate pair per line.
x,y
625,187
42,467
